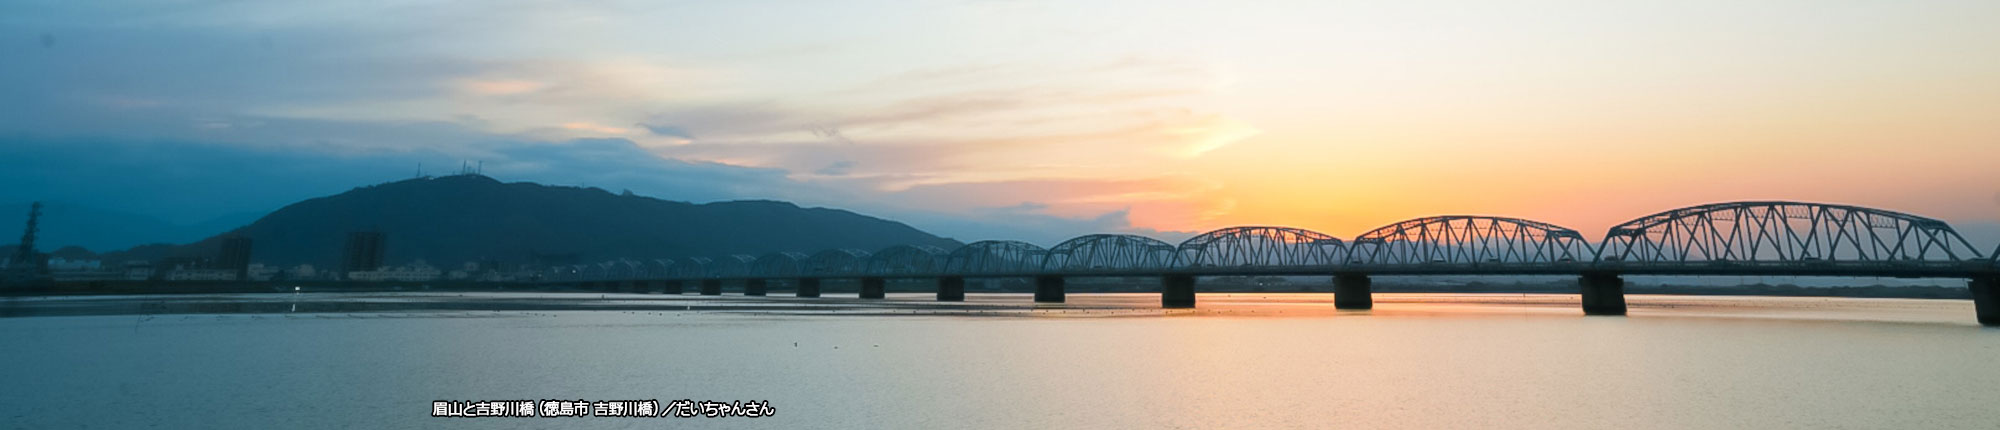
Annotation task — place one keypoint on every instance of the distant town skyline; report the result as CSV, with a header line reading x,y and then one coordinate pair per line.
x,y
1019,119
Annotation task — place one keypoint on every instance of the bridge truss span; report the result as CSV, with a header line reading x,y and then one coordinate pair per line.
x,y
906,260
1109,253
1261,246
995,257
660,268
623,270
698,267
1470,240
781,264
733,266
1787,235
835,262
684,267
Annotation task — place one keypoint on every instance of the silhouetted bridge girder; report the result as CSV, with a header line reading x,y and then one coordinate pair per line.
x,y
1769,233
1754,238
1470,240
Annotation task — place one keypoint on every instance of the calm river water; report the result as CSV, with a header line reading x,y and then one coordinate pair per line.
x,y
1101,361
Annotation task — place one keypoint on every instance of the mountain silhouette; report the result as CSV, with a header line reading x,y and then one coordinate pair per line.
x,y
461,218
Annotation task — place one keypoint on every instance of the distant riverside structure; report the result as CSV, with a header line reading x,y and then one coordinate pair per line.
x,y
418,271
235,257
27,266
364,252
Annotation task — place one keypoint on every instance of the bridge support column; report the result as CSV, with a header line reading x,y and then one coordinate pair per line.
x,y
808,287
671,287
1986,299
1049,289
711,287
1177,291
873,288
1353,291
1603,294
951,289
754,287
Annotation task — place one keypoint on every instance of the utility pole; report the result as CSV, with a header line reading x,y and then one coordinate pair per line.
x,y
28,266
28,237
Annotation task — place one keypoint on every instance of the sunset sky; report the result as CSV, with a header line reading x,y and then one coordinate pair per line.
x,y
1020,119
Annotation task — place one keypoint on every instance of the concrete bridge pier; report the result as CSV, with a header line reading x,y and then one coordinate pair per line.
x,y
1177,291
951,289
808,287
754,287
1986,299
1603,294
671,287
1049,289
873,287
1353,291
711,287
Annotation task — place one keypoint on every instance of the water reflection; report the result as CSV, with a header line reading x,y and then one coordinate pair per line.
x,y
1110,360
1957,312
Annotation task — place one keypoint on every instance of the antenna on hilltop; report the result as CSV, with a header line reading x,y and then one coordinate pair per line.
x,y
420,169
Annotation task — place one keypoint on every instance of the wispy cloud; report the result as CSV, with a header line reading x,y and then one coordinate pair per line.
x,y
1174,115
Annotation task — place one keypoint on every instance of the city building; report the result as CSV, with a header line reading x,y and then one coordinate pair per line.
x,y
235,256
365,252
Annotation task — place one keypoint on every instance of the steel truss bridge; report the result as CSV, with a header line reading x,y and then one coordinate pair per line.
x,y
1751,238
